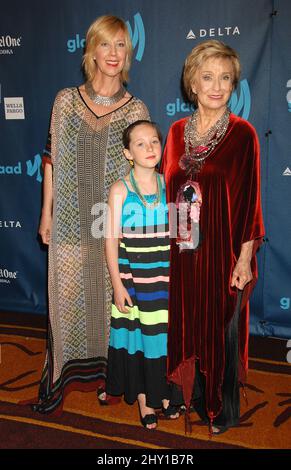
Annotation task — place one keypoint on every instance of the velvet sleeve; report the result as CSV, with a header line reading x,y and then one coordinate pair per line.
x,y
253,228
245,201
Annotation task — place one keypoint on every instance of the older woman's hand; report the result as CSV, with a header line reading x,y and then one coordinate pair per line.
x,y
242,274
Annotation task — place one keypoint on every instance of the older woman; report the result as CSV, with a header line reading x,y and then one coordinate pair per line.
x,y
211,168
82,159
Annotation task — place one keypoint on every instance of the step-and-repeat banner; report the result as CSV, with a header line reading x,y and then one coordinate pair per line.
x,y
41,47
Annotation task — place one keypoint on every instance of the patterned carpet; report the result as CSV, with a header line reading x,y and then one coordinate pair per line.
x,y
84,424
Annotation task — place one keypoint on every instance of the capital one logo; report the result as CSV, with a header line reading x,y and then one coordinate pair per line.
x,y
288,96
9,43
6,277
241,105
137,35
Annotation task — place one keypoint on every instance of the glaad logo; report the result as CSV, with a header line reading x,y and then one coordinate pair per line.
x,y
137,38
32,168
76,43
285,303
7,43
179,107
214,32
11,170
239,106
288,96
6,276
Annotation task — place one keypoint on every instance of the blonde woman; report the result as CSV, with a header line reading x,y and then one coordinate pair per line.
x,y
83,158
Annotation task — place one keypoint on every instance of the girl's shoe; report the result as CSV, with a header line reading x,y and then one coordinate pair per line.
x,y
149,419
171,411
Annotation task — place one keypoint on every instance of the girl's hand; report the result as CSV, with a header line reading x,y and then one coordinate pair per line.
x,y
45,228
242,274
120,297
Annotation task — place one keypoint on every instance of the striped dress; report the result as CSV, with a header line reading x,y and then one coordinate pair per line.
x,y
138,339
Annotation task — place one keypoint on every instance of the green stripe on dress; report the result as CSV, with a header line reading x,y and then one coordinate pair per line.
x,y
147,318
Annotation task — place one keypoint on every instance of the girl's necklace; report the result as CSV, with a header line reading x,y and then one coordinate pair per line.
x,y
157,196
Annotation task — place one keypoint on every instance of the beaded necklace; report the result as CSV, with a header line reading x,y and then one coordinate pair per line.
x,y
104,100
199,147
158,195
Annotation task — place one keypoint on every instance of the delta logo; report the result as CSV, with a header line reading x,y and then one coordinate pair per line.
x,y
205,33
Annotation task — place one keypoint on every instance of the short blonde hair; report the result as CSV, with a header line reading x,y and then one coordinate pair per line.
x,y
105,27
202,52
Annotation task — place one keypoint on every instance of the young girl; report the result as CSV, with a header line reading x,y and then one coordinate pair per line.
x,y
139,269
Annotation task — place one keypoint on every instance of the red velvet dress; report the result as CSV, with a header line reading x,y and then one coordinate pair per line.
x,y
201,302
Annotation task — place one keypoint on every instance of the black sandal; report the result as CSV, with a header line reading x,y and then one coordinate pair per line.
x,y
220,429
171,410
148,419
104,399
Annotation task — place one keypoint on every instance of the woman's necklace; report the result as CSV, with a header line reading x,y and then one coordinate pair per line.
x,y
157,196
104,100
199,147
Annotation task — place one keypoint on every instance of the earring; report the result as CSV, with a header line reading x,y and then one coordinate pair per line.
x,y
131,162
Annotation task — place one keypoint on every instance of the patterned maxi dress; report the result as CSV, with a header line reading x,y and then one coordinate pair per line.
x,y
86,153
138,340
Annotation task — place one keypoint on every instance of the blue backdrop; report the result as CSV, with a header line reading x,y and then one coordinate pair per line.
x,y
41,46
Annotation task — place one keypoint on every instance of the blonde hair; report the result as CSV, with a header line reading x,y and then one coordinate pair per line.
x,y
105,27
202,52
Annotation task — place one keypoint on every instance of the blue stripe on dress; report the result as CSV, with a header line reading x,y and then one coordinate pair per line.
x,y
161,294
153,347
159,264
135,215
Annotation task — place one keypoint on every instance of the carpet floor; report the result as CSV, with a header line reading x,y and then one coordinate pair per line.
x,y
84,424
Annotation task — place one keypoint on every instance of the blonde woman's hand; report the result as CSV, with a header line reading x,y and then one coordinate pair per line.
x,y
45,228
